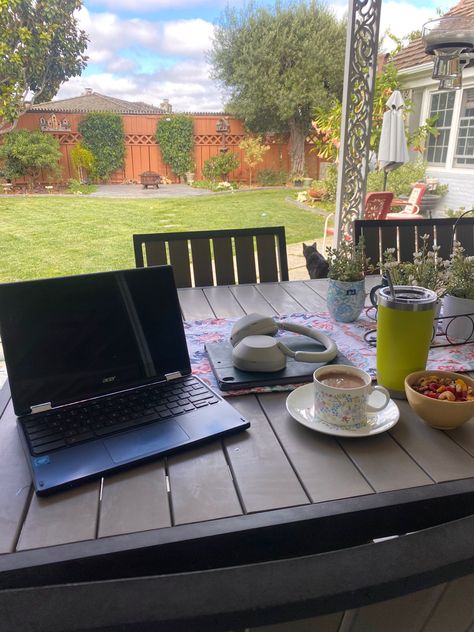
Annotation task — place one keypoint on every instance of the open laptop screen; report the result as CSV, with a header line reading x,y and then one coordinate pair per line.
x,y
70,338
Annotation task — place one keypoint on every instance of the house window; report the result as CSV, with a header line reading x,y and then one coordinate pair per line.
x,y
442,104
464,156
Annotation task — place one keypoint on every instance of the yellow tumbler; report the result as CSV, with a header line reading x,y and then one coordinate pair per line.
x,y
404,332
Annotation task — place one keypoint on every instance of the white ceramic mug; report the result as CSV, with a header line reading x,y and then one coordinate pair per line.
x,y
343,395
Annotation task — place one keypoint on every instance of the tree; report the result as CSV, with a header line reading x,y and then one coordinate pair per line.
x,y
83,161
254,150
40,48
26,153
175,136
103,135
277,64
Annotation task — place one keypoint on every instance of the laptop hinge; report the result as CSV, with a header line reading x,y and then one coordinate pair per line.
x,y
40,408
173,376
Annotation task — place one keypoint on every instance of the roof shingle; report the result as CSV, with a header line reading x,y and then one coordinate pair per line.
x,y
95,102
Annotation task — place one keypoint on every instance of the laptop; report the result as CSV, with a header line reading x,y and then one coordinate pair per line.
x,y
100,375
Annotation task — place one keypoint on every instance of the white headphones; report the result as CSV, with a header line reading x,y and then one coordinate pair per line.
x,y
254,350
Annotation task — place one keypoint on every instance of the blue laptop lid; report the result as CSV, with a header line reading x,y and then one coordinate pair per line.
x,y
68,339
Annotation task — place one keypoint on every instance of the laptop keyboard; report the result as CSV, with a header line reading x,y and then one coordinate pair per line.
x,y
113,414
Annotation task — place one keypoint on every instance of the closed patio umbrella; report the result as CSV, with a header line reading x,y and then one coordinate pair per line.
x,y
393,150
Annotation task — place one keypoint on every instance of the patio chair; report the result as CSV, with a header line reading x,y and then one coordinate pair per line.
x,y
217,257
377,205
411,206
404,235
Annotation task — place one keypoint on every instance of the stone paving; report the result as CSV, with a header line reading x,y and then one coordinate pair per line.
x,y
138,191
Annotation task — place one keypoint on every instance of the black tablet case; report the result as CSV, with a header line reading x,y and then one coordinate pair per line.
x,y
231,379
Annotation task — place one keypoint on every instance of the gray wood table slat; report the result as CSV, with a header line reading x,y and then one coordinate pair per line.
x,y
69,516
433,450
384,463
325,470
15,480
251,300
201,485
464,436
306,296
264,475
135,500
194,305
224,303
281,301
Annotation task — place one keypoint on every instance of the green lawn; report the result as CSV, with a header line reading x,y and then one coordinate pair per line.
x,y
42,236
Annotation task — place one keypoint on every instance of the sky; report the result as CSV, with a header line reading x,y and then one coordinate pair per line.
x,y
150,50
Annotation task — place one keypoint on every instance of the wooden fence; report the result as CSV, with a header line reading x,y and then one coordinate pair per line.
x,y
143,152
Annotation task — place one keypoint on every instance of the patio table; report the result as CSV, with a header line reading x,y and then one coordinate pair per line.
x,y
274,524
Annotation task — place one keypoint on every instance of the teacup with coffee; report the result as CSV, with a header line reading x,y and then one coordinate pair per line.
x,y
344,395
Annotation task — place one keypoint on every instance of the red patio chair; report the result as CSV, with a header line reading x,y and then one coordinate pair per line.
x,y
411,206
377,205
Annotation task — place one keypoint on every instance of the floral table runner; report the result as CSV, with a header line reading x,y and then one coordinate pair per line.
x,y
349,338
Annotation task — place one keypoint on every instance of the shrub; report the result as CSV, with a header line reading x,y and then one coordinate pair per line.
x,y
400,181
254,150
175,136
220,166
79,188
83,161
102,133
272,177
331,183
26,153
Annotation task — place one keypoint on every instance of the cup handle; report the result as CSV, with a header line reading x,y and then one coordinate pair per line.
x,y
380,389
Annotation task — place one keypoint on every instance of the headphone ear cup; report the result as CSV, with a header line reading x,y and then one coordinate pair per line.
x,y
258,353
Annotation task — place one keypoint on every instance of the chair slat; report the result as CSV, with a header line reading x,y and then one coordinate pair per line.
x,y
444,239
202,262
267,258
245,256
407,241
371,240
465,234
155,253
224,261
179,259
216,255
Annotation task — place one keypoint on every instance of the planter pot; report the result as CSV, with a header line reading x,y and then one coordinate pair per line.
x,y
307,182
458,318
298,183
346,299
190,177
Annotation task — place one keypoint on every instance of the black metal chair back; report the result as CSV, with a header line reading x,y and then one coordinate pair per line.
x,y
217,257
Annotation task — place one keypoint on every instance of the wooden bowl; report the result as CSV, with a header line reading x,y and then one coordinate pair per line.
x,y
438,413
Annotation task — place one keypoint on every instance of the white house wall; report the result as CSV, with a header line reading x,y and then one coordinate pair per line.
x,y
459,180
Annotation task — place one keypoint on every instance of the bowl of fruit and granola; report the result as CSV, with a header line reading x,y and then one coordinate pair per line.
x,y
443,399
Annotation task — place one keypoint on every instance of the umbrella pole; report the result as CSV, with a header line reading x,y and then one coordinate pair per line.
x,y
385,174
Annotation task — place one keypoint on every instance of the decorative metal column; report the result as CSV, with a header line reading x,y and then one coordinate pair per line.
x,y
359,82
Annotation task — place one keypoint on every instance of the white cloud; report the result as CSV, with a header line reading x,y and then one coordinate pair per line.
x,y
400,18
189,37
186,85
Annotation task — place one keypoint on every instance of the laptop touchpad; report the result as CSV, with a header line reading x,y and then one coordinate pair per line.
x,y
152,440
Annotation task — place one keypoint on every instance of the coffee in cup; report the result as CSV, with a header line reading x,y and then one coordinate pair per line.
x,y
344,395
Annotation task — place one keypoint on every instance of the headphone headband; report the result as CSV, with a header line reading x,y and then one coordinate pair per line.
x,y
250,351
